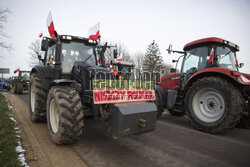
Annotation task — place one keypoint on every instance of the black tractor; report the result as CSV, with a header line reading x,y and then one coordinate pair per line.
x,y
61,92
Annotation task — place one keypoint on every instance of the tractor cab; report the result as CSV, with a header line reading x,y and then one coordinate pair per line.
x,y
121,70
209,52
65,51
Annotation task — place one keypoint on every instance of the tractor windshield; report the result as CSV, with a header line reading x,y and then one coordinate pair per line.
x,y
25,75
226,58
76,51
194,60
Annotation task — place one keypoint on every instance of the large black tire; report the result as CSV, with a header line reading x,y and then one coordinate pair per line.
x,y
160,109
36,99
19,88
219,107
64,115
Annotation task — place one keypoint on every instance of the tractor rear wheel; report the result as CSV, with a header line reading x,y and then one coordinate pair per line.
x,y
213,105
19,88
64,115
36,99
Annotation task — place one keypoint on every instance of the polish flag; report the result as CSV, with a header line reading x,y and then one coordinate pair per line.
x,y
40,34
119,58
94,32
211,56
115,73
18,69
50,25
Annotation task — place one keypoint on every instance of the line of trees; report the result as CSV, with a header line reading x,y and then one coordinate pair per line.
x,y
4,13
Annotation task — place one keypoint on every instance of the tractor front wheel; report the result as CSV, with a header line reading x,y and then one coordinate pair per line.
x,y
160,109
36,99
64,115
213,105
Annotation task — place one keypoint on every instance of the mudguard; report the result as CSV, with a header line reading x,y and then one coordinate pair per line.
x,y
47,75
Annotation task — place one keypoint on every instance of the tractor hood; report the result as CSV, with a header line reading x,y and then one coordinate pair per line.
x,y
168,77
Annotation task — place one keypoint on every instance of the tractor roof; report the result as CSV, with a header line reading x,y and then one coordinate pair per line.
x,y
70,37
210,40
122,63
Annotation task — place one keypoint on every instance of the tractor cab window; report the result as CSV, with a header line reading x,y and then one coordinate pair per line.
x,y
25,75
51,53
195,59
226,58
126,72
75,51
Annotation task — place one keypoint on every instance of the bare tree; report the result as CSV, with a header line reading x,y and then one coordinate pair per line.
x,y
166,69
139,60
122,52
35,50
4,13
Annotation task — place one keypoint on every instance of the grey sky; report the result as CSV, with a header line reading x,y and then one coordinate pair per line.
x,y
134,23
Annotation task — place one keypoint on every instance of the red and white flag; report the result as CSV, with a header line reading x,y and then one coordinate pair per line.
x,y
94,32
119,58
50,25
16,70
211,56
40,34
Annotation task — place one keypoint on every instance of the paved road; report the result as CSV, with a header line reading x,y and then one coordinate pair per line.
x,y
173,143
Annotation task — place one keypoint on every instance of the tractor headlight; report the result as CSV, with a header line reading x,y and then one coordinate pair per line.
x,y
91,41
67,37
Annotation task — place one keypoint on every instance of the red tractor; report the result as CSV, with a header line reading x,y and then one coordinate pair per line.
x,y
209,88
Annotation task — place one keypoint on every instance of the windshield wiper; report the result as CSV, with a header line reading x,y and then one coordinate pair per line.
x,y
226,54
87,58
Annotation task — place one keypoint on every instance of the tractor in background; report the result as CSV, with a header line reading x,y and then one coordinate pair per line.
x,y
209,88
121,69
21,82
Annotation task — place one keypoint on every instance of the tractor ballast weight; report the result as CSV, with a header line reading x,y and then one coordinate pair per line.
x,y
62,91
132,118
209,88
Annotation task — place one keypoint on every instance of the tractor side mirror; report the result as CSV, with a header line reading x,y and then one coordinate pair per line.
x,y
172,70
174,61
241,65
45,45
115,53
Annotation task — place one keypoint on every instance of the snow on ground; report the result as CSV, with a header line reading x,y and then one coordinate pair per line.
x,y
19,149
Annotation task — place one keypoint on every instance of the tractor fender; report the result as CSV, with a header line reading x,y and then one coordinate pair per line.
x,y
46,74
162,96
62,82
231,76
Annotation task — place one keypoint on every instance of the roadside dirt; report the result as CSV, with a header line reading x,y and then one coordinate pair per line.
x,y
173,143
36,140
